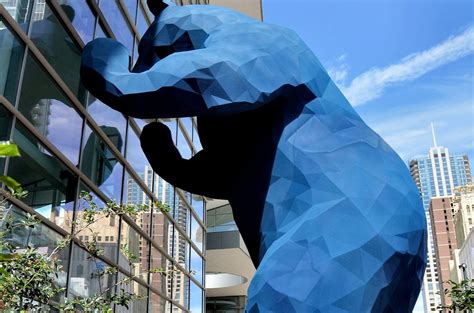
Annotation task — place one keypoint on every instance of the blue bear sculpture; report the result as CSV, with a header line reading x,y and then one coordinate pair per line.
x,y
327,209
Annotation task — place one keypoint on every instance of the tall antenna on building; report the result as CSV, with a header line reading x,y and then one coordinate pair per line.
x,y
434,136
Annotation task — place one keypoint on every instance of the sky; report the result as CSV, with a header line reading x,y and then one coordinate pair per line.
x,y
402,64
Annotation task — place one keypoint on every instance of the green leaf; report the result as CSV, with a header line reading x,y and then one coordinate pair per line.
x,y
8,149
11,183
8,257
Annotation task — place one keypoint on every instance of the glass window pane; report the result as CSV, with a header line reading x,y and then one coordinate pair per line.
x,y
196,140
88,275
104,230
183,145
51,186
100,164
134,251
197,233
116,21
99,31
81,17
196,305
198,206
196,268
181,249
109,119
18,9
158,304
181,289
46,107
162,231
5,128
11,56
47,32
137,158
161,277
41,237
136,306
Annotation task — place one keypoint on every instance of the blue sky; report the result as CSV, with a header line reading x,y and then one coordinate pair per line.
x,y
402,64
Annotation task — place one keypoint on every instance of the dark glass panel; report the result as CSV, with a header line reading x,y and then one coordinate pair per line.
x,y
51,186
58,48
81,17
19,11
11,56
46,107
100,164
5,128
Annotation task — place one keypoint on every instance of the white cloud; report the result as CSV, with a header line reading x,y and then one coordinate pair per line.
x,y
372,84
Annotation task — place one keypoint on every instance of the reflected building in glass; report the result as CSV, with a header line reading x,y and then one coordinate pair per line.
x,y
70,142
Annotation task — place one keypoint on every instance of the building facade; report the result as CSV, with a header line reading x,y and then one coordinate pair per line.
x,y
436,175
463,204
444,239
71,143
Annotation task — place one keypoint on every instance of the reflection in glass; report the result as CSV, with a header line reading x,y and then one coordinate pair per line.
x,y
47,109
104,231
5,127
136,157
11,56
196,299
18,10
47,32
162,279
181,290
197,233
134,249
136,306
104,116
198,205
181,249
196,267
81,17
116,20
86,279
51,186
157,304
43,238
100,164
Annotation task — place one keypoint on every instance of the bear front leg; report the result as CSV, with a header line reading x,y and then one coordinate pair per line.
x,y
198,175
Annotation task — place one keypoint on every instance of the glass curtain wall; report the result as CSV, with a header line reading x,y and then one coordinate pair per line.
x,y
71,142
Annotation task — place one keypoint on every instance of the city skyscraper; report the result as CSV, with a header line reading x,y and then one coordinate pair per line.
x,y
436,175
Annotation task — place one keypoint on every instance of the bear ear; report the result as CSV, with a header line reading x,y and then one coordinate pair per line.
x,y
156,6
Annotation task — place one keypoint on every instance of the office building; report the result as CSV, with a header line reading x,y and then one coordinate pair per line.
x,y
71,142
436,175
463,204
444,239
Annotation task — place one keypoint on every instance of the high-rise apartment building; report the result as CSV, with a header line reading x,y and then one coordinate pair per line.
x,y
436,175
71,142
